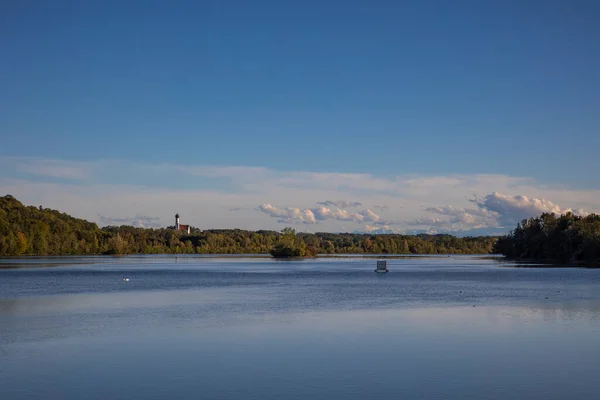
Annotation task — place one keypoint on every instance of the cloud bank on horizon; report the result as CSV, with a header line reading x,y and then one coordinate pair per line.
x,y
139,221
108,191
495,210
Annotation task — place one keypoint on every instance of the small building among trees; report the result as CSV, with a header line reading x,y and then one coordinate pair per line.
x,y
180,227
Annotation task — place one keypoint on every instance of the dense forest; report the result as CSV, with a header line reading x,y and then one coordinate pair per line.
x,y
564,238
29,230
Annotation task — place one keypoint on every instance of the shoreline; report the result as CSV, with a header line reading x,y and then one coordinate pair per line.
x,y
250,255
6,261
551,263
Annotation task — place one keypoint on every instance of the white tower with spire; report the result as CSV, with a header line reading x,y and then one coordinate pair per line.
x,y
181,227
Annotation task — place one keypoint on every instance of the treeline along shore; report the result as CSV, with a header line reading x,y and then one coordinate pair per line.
x,y
566,238
37,231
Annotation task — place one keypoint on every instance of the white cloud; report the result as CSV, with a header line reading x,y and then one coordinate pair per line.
x,y
289,215
324,213
370,216
50,168
513,209
492,211
382,207
340,203
139,221
431,221
313,215
459,218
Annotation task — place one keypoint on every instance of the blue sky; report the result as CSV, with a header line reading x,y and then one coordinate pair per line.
x,y
387,90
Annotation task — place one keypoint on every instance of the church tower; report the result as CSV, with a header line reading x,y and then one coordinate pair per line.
x,y
181,227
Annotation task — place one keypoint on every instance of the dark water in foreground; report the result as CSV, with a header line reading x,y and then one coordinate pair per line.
x,y
253,328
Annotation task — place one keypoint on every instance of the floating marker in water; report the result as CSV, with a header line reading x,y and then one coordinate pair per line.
x,y
381,266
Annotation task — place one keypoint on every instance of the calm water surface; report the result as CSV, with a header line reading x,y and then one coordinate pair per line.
x,y
461,327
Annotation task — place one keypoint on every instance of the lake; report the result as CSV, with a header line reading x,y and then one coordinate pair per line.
x,y
170,327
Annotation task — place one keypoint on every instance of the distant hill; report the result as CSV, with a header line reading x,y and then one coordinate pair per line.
x,y
381,231
460,233
42,231
29,230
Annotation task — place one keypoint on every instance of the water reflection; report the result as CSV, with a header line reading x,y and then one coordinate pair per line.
x,y
59,316
430,329
429,352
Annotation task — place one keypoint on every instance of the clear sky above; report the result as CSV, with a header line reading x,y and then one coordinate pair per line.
x,y
382,89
